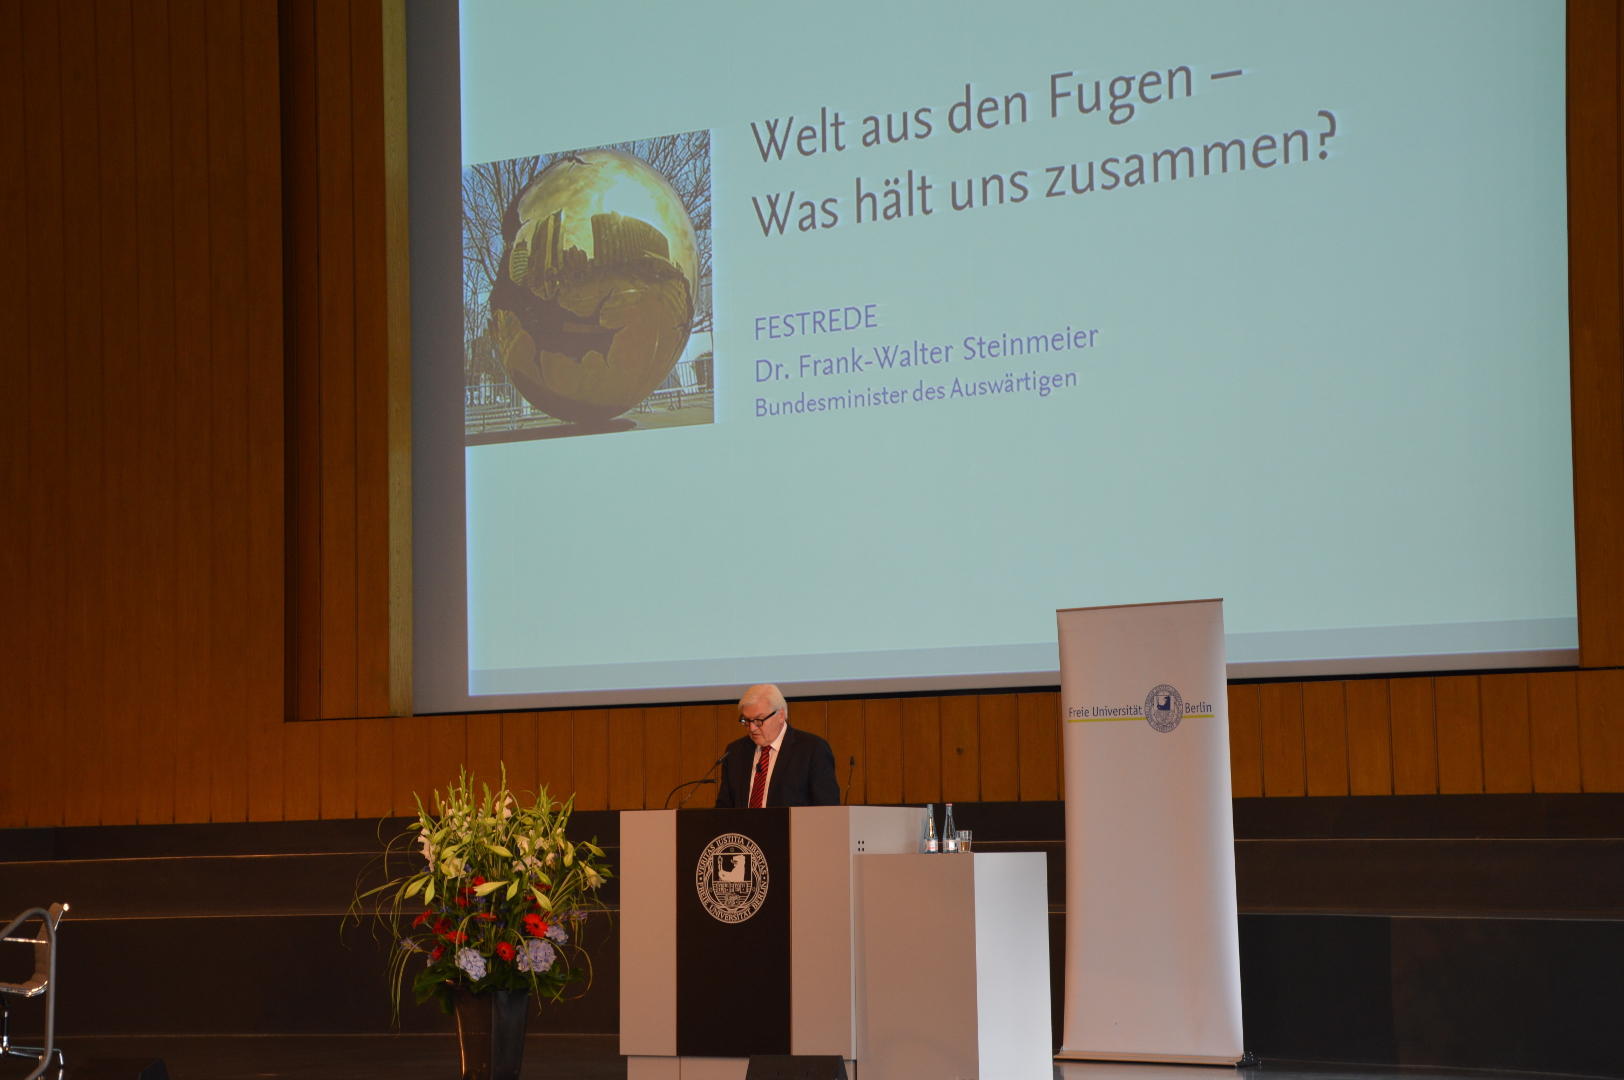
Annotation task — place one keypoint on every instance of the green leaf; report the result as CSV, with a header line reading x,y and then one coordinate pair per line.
x,y
414,888
488,888
513,889
428,893
541,898
498,849
594,848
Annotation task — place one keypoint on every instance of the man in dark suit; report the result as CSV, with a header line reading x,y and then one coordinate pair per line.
x,y
775,765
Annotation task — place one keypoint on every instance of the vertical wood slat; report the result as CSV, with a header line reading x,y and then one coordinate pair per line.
x,y
848,738
555,754
301,749
1415,743
1595,333
1280,722
153,543
447,746
519,735
1460,735
882,730
296,28
662,756
1601,730
1370,738
625,759
961,750
336,312
43,588
227,416
1325,738
410,775
482,754
1507,744
697,738
85,584
921,750
398,346
338,757
266,652
1038,721
591,759
192,554
1246,741
1000,761
374,767
14,371
1553,720
376,629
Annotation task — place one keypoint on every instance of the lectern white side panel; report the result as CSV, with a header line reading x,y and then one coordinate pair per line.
x,y
822,905
648,939
1012,965
653,1068
953,969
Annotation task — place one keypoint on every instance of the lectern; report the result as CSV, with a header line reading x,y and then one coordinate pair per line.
x,y
816,930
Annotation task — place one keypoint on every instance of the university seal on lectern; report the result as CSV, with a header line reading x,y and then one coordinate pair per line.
x,y
1164,708
731,878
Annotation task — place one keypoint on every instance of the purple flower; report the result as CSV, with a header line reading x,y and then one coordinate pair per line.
x,y
538,955
471,962
557,933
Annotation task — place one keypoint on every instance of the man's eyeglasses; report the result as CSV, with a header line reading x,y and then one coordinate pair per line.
x,y
753,721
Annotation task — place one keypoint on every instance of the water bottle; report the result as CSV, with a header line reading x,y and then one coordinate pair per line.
x,y
950,832
927,833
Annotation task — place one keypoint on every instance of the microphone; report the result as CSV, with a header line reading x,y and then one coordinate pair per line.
x,y
695,784
851,767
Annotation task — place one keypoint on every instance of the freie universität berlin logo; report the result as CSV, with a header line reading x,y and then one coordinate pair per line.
x,y
1164,707
731,878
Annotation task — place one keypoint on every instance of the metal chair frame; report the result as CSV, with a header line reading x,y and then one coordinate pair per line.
x,y
43,981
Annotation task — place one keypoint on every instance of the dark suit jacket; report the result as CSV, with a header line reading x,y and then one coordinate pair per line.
x,y
803,776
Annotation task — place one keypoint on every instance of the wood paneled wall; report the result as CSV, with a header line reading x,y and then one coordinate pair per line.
x,y
202,292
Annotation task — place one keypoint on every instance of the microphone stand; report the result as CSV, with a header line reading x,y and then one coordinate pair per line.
x,y
695,784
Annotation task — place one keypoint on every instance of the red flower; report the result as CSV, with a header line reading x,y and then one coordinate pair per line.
x,y
442,927
485,916
478,881
456,937
439,951
462,900
535,925
504,949
423,918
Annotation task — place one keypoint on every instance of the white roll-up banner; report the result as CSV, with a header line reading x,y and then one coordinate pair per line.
x,y
1152,949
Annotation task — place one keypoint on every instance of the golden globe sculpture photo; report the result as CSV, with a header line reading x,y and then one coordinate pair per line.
x,y
595,299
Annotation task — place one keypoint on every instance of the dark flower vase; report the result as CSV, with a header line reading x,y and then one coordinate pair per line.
x,y
490,1032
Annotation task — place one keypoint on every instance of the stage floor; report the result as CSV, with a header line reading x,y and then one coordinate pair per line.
x,y
578,1057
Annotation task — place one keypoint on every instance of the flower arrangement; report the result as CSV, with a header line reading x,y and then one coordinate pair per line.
x,y
502,893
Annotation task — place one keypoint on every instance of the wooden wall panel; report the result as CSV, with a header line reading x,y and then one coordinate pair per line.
x,y
519,732
1370,738
555,754
374,768
1325,738
591,759
1553,721
1246,741
482,754
848,738
85,581
1601,730
1280,720
265,654
882,730
961,749
662,754
447,753
1594,117
154,635
921,750
625,760
44,588
409,767
1000,740
301,750
1507,747
226,421
1415,743
338,759
1460,735
14,371
697,739
1038,719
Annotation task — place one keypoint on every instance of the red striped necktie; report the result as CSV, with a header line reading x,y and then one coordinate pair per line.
x,y
758,788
